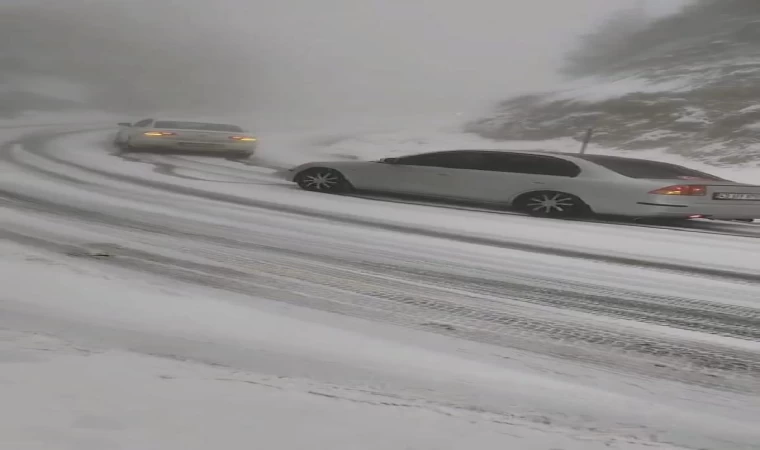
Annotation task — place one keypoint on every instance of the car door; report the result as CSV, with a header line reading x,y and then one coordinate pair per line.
x,y
122,132
436,174
394,175
504,175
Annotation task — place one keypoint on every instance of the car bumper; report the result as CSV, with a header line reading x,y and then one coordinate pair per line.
x,y
674,210
285,174
186,146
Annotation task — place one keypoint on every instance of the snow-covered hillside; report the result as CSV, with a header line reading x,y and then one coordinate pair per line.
x,y
688,83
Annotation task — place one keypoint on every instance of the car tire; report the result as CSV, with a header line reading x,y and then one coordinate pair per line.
x,y
126,147
552,204
323,179
240,155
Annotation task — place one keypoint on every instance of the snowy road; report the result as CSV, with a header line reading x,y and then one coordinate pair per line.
x,y
587,333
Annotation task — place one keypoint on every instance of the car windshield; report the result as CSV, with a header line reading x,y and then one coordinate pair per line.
x,y
644,169
199,126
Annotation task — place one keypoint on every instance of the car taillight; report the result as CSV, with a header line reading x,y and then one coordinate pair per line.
x,y
682,189
159,133
243,138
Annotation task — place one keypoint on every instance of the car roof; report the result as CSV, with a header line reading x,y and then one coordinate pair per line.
x,y
164,119
585,156
480,150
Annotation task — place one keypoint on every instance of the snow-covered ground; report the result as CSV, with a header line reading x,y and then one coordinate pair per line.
x,y
36,119
84,159
180,302
85,389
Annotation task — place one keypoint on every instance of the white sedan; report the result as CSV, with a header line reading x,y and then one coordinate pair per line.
x,y
543,183
174,135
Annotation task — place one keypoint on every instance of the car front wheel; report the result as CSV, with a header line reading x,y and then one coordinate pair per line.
x,y
322,179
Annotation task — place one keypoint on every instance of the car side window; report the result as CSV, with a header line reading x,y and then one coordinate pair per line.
x,y
531,164
425,159
450,160
143,123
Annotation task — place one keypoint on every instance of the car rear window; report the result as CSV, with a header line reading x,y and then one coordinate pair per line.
x,y
644,169
199,126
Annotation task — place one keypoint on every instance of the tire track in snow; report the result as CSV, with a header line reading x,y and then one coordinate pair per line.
x,y
481,308
710,317
36,144
349,290
166,165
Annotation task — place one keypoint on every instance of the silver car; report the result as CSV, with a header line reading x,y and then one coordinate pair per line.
x,y
176,135
544,184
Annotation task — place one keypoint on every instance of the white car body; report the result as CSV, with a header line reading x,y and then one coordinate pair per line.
x,y
189,136
607,185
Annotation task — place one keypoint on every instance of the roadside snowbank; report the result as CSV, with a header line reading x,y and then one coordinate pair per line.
x,y
261,381
38,119
68,397
371,146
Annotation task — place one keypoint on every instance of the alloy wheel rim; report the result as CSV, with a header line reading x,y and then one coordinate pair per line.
x,y
547,203
321,181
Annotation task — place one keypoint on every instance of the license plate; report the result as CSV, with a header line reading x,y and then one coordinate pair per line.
x,y
735,196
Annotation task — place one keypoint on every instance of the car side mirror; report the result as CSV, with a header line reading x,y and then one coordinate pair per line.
x,y
125,124
389,161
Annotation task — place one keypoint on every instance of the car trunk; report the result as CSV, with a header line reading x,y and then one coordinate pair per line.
x,y
200,137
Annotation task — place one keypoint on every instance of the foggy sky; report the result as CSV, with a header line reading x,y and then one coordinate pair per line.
x,y
358,56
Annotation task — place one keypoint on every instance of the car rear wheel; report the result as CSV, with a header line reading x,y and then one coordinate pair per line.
x,y
240,154
322,179
551,204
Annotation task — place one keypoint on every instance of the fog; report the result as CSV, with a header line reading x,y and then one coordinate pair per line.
x,y
304,58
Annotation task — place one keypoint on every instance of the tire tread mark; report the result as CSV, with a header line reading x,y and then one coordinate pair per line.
x,y
35,144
